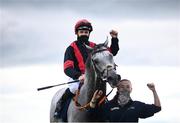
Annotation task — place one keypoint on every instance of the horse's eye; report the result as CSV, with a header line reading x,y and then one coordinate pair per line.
x,y
96,61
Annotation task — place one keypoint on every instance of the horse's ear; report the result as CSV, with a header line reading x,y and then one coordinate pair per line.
x,y
89,48
106,42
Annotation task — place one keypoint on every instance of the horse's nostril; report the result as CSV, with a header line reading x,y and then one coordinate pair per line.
x,y
109,78
119,77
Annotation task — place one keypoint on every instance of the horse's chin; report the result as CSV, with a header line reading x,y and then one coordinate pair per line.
x,y
113,80
112,86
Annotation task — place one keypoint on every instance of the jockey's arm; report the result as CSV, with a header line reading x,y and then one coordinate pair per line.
x,y
69,69
72,73
114,48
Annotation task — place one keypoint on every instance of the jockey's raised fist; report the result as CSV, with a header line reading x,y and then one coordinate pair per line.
x,y
113,33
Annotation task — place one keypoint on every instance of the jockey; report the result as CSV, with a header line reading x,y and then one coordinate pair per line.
x,y
75,58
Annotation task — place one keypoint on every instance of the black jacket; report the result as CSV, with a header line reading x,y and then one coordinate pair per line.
x,y
76,55
131,112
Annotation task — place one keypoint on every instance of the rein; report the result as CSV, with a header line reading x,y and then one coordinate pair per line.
x,y
77,104
87,105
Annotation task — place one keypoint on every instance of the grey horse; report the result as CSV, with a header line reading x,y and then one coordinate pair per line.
x,y
100,68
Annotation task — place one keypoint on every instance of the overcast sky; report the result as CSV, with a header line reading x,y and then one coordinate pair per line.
x,y
38,31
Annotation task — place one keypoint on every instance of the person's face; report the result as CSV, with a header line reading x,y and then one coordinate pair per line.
x,y
124,86
82,33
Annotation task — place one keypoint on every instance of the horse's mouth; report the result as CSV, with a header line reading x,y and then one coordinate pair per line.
x,y
113,80
112,86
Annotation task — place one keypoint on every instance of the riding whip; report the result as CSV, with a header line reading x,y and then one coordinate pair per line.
x,y
47,87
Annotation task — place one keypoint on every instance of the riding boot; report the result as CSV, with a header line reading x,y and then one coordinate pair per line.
x,y
61,102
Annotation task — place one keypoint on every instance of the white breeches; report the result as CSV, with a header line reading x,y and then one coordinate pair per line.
x,y
73,87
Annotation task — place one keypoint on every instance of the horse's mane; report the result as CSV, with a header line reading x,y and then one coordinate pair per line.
x,y
88,62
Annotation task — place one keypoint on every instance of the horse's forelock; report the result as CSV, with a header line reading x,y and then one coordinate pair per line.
x,y
98,48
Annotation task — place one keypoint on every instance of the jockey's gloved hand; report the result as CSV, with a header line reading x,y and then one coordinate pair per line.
x,y
81,78
113,33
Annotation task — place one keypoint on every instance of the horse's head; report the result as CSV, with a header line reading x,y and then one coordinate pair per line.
x,y
103,63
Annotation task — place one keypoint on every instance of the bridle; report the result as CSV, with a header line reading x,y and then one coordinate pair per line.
x,y
102,80
98,72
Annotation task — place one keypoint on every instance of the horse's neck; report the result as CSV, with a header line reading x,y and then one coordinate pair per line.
x,y
90,84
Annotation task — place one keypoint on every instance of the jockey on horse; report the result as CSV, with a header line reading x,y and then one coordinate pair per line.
x,y
74,62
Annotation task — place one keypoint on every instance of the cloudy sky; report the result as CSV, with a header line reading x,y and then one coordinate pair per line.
x,y
35,33
38,32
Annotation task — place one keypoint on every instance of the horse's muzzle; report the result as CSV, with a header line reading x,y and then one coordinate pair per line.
x,y
113,79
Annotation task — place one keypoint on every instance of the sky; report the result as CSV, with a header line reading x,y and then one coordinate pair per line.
x,y
34,35
47,28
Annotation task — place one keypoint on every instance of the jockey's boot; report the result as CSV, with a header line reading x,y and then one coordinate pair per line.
x,y
61,104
